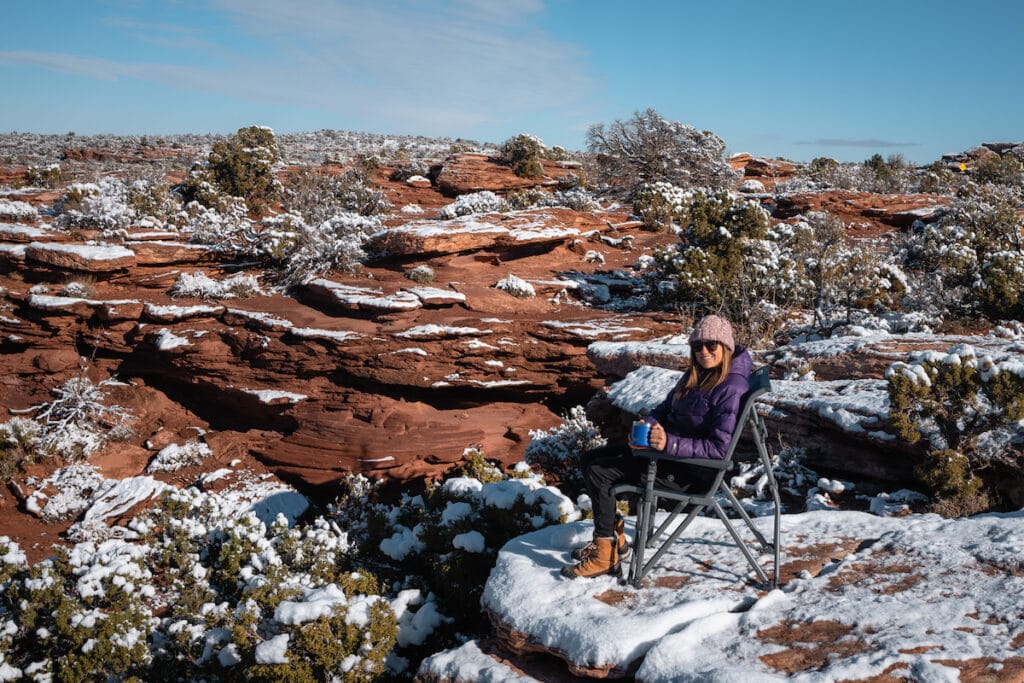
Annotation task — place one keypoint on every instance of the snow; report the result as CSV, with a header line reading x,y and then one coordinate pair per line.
x,y
316,603
440,332
469,663
89,252
273,396
332,335
167,340
171,313
919,588
263,320
471,542
428,294
590,329
363,297
273,651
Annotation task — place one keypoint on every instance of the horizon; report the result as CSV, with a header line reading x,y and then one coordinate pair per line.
x,y
799,83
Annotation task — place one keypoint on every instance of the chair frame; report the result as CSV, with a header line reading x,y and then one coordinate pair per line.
x,y
758,384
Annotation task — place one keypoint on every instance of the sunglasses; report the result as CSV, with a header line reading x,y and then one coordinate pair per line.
x,y
698,346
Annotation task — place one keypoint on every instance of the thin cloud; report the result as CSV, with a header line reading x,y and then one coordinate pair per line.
x,y
433,68
844,142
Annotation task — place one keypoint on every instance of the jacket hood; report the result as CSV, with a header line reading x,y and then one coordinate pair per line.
x,y
742,364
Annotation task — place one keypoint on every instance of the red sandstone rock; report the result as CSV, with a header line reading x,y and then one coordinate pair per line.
x,y
79,257
465,173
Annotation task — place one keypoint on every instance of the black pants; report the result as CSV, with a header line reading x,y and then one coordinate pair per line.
x,y
609,465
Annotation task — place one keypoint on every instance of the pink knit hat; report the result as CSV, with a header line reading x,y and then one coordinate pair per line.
x,y
713,328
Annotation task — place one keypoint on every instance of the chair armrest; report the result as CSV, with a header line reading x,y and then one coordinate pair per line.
x,y
709,463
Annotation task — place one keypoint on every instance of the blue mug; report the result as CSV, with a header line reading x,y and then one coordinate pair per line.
x,y
640,436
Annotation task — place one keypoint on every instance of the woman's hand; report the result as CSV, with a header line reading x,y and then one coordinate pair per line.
x,y
658,439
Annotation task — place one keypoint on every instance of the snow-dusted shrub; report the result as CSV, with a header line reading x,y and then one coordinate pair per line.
x,y
484,201
17,212
971,254
80,288
102,205
240,166
50,176
727,259
199,285
647,149
998,169
966,408
81,615
153,199
444,541
319,196
422,274
524,153
824,170
526,198
336,244
176,456
18,439
516,286
938,178
410,169
274,602
78,421
661,205
838,277
557,451
891,175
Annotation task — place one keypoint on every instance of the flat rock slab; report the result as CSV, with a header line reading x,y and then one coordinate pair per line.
x,y
474,232
155,253
861,596
81,257
347,297
19,232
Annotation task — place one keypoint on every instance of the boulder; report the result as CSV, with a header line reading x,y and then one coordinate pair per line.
x,y
80,257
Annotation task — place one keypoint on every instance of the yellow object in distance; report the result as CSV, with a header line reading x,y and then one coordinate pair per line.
x,y
963,167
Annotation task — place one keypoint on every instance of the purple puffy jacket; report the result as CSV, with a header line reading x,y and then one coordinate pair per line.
x,y
699,424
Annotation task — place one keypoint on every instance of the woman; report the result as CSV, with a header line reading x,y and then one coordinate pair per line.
x,y
695,420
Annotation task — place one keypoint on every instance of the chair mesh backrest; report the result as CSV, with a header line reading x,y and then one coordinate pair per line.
x,y
758,384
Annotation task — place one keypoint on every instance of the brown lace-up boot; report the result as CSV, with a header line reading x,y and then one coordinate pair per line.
x,y
604,560
583,552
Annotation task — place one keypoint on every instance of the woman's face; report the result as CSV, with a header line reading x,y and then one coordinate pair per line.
x,y
705,356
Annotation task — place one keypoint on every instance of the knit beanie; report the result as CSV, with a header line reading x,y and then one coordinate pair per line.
x,y
713,328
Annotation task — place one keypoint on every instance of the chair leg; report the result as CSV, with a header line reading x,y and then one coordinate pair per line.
x,y
739,542
743,514
671,539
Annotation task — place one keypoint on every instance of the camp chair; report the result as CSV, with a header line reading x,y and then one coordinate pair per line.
x,y
647,536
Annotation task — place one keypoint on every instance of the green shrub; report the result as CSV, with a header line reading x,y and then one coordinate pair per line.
x,y
953,400
661,205
972,253
722,253
523,153
1000,170
47,176
444,541
823,170
938,178
890,175
241,166
19,438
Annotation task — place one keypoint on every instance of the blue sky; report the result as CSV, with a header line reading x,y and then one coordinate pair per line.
x,y
791,79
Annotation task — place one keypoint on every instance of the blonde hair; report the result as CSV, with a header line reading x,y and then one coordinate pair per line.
x,y
712,377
